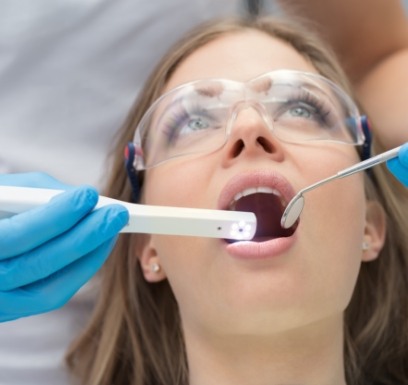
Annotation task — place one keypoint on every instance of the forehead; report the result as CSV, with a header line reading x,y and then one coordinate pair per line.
x,y
239,56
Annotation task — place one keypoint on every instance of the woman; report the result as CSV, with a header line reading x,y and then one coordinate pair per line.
x,y
322,303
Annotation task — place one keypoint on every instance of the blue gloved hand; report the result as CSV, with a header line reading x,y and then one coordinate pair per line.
x,y
48,253
399,166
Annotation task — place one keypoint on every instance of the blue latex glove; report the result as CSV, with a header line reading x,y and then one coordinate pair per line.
x,y
399,166
48,253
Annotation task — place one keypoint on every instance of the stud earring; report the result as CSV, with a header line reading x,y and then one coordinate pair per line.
x,y
155,267
365,246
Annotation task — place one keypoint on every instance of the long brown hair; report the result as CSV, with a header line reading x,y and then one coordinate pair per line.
x,y
135,336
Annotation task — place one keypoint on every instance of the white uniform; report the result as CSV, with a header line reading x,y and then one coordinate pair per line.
x,y
69,71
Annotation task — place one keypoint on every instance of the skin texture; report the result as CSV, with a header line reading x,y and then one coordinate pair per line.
x,y
257,320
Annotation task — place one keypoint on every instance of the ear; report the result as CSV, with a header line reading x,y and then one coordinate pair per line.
x,y
150,263
374,231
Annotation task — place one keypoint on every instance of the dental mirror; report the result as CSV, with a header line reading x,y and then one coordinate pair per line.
x,y
295,206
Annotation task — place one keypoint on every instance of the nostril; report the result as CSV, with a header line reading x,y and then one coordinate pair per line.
x,y
238,147
266,144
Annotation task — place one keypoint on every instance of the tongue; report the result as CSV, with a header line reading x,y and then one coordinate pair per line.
x,y
268,210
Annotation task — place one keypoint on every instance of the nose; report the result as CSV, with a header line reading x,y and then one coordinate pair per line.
x,y
251,135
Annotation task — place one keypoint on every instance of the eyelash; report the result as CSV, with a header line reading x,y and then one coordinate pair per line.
x,y
179,117
321,111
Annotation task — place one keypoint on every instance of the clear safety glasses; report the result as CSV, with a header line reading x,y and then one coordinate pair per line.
x,y
198,117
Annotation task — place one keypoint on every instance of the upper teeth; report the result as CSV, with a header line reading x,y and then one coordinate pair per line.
x,y
254,190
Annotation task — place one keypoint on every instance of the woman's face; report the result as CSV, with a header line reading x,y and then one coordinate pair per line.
x,y
275,283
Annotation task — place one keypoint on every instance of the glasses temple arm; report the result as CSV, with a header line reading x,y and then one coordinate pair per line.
x,y
130,152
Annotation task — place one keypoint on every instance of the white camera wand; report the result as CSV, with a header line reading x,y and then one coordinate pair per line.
x,y
146,218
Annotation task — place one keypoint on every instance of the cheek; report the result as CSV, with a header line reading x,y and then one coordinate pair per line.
x,y
340,211
179,183
337,208
182,183
334,221
331,232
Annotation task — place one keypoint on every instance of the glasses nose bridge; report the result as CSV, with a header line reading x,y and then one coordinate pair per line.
x,y
249,104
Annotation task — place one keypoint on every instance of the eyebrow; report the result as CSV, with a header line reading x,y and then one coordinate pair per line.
x,y
210,90
260,84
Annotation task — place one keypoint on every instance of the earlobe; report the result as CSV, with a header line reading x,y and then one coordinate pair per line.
x,y
374,232
150,263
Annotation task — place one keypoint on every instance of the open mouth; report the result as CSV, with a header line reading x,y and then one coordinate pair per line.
x,y
268,205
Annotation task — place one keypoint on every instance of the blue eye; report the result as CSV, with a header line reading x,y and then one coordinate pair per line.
x,y
181,123
306,109
302,112
196,124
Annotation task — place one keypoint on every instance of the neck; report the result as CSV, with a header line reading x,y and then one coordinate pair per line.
x,y
311,356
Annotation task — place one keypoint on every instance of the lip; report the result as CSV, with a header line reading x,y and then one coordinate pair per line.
x,y
262,178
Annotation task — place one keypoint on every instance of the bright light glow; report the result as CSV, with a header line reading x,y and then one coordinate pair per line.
x,y
240,230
